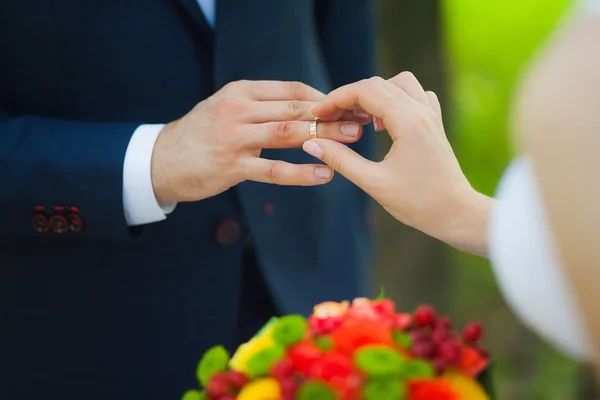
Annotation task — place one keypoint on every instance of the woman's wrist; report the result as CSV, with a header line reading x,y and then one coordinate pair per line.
x,y
466,227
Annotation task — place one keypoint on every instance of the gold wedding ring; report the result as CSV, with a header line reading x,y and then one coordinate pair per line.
x,y
312,130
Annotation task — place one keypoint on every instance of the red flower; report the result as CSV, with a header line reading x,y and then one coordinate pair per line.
x,y
355,333
303,355
380,311
472,363
402,321
323,326
384,306
353,388
431,389
327,317
333,368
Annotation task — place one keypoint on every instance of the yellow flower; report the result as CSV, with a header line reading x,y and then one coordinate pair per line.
x,y
262,341
467,387
330,309
262,389
361,301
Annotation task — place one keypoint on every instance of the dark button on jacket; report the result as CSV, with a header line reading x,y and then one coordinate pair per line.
x,y
58,224
228,233
75,222
40,222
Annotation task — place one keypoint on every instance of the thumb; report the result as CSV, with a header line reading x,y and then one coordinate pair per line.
x,y
341,158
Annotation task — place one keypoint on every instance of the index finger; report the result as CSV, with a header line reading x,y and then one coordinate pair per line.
x,y
280,90
408,82
372,97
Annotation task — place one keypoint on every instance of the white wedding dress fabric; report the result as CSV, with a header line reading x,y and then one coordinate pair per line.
x,y
524,256
527,265
590,8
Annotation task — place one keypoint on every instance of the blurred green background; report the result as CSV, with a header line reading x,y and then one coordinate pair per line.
x,y
471,53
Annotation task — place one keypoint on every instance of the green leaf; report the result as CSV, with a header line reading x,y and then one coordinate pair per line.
x,y
313,390
324,343
378,361
486,380
381,294
194,395
214,360
384,389
260,364
414,369
402,339
289,329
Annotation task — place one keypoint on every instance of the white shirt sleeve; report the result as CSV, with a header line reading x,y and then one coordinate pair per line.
x,y
139,202
526,263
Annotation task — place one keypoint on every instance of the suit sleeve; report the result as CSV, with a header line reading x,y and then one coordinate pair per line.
x,y
46,162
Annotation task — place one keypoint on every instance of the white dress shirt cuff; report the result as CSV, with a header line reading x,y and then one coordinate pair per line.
x,y
139,201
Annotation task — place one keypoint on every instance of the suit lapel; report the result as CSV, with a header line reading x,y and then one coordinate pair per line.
x,y
242,38
193,9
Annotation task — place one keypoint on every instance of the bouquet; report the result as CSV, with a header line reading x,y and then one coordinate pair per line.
x,y
350,351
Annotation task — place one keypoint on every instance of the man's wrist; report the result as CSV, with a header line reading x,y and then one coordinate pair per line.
x,y
139,201
159,169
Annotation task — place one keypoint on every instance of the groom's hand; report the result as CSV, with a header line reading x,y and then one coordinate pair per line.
x,y
218,143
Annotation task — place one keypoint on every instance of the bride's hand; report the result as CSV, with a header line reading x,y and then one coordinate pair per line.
x,y
419,181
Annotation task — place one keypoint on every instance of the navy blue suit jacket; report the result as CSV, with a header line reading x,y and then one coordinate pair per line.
x,y
110,312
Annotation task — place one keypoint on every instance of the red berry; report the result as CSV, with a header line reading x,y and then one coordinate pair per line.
x,y
444,323
237,379
282,369
402,321
423,348
228,397
218,386
425,316
449,351
441,335
288,389
440,365
472,332
418,334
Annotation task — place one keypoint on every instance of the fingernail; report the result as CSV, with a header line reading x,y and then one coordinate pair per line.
x,y
350,130
313,149
323,172
359,113
378,124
